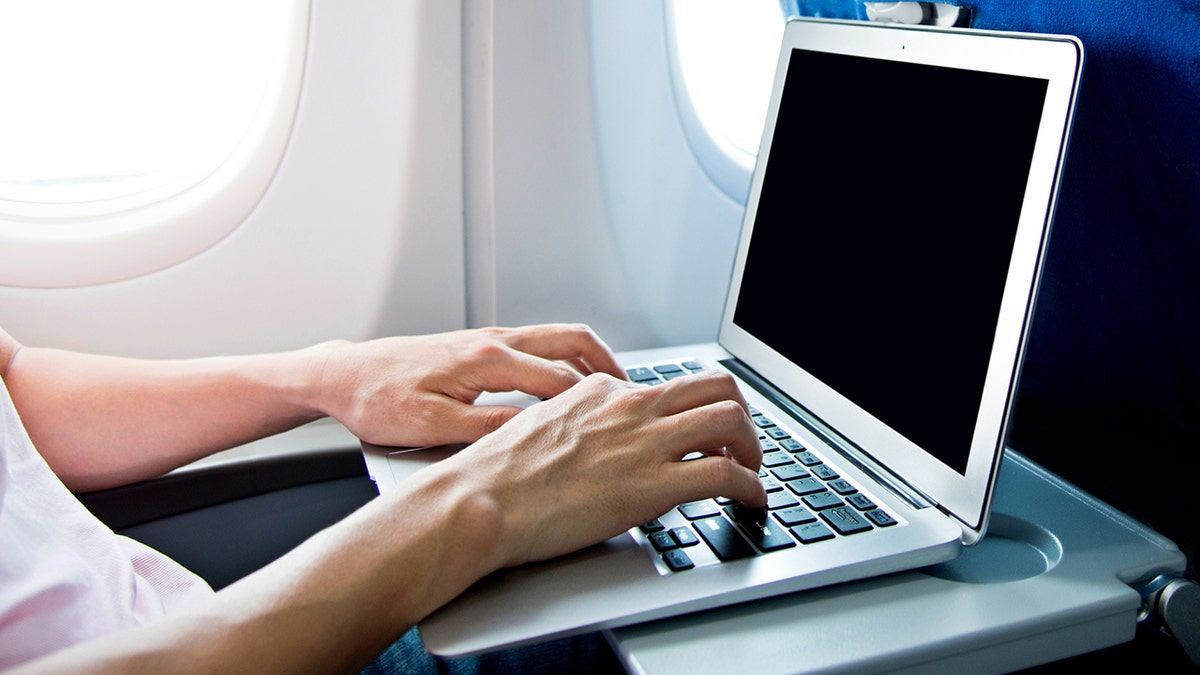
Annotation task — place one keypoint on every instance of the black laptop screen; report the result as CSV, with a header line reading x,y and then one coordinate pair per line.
x,y
884,231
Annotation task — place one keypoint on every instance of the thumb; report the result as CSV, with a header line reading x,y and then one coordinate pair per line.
x,y
475,421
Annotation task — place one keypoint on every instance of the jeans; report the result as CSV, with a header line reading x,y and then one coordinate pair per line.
x,y
581,654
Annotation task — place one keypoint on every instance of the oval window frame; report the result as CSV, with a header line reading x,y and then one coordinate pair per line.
x,y
90,243
726,165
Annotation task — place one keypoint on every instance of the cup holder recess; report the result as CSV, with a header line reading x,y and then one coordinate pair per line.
x,y
1013,549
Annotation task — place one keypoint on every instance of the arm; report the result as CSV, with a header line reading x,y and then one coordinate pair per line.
x,y
584,466
102,421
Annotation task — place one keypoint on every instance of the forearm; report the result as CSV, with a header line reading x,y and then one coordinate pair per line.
x,y
331,604
102,421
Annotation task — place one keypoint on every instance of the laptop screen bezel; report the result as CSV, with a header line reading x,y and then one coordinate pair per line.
x,y
1058,60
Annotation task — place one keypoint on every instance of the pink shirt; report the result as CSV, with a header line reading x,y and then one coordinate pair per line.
x,y
64,576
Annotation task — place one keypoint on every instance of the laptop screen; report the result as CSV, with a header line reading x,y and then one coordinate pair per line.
x,y
884,233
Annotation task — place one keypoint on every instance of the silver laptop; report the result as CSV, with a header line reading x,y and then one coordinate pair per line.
x,y
876,318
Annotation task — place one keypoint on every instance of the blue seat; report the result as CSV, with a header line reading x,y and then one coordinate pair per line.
x,y
1112,374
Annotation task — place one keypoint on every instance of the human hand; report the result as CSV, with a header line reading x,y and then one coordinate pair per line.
x,y
605,456
418,391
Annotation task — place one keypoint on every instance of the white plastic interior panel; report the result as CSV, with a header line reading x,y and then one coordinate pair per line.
x,y
359,233
602,212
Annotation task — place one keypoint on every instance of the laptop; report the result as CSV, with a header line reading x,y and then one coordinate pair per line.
x,y
876,318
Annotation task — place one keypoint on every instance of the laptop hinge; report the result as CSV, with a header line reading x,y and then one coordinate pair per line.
x,y
844,446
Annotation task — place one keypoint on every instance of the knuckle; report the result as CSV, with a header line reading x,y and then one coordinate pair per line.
x,y
621,395
487,352
494,420
730,413
595,382
721,472
592,389
721,378
493,335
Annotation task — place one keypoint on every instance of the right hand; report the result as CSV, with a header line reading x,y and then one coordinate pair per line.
x,y
605,456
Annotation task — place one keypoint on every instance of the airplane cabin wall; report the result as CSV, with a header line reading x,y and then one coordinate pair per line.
x,y
359,234
601,211
450,164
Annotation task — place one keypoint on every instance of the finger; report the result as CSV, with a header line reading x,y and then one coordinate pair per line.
x,y
718,476
567,342
699,389
722,424
466,423
518,371
580,366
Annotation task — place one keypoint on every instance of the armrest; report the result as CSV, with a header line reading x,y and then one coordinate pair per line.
x,y
180,492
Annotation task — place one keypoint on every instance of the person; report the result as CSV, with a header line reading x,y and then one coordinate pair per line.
x,y
598,456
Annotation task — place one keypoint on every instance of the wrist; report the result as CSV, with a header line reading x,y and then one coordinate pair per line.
x,y
473,513
322,378
437,536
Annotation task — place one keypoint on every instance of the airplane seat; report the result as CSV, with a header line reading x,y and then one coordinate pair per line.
x,y
1110,392
226,521
1113,369
1112,373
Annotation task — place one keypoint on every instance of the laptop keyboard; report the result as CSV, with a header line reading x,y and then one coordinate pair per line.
x,y
808,500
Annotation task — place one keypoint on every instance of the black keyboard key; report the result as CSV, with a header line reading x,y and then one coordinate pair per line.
x,y
780,500
652,526
662,541
723,539
776,458
822,500
762,422
805,486
769,484
684,536
880,517
740,513
777,433
677,560
693,365
767,536
790,472
812,533
824,472
667,368
807,458
842,487
641,375
845,521
697,510
861,502
797,515
791,445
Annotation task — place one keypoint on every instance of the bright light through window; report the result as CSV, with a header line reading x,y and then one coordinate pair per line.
x,y
103,100
727,55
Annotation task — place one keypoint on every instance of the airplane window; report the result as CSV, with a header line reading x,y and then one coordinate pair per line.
x,y
110,107
725,55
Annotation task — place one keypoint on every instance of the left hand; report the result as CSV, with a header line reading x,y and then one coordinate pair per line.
x,y
419,391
